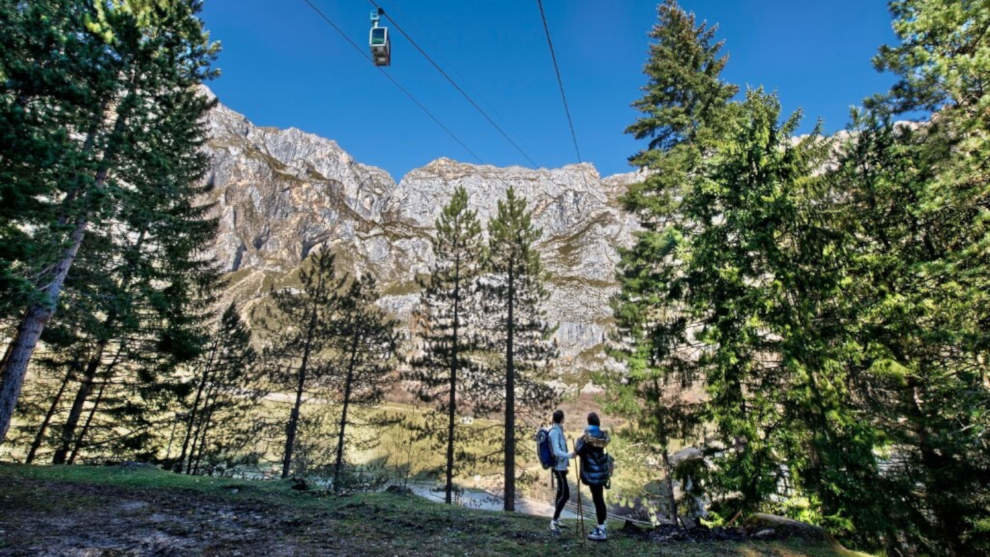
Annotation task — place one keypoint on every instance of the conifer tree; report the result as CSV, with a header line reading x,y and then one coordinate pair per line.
x,y
365,341
225,385
448,309
518,330
301,327
151,283
52,83
140,57
914,204
683,104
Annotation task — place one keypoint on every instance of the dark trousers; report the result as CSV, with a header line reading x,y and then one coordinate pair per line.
x,y
598,496
563,492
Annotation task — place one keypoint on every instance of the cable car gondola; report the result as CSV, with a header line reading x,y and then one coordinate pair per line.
x,y
378,41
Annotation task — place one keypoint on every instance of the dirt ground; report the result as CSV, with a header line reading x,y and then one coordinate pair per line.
x,y
143,511
102,520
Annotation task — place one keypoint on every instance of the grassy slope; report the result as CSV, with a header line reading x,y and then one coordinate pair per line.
x,y
107,510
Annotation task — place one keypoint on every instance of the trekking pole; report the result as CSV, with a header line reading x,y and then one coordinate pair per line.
x,y
580,527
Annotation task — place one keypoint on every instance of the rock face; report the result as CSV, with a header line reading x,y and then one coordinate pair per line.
x,y
281,193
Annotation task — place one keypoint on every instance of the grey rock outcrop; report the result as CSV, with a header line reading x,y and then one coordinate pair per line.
x,y
281,193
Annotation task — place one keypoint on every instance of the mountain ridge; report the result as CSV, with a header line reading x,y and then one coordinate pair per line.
x,y
280,193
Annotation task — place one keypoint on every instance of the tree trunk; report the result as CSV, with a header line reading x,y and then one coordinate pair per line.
x,y
192,412
89,420
452,402
108,375
670,485
30,328
343,414
39,437
39,313
510,404
168,449
290,428
204,430
69,429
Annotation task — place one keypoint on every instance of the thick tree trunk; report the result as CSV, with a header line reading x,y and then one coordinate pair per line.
x,y
30,328
40,435
510,405
39,313
85,388
348,383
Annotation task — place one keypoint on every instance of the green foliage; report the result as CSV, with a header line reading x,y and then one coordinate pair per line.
x,y
101,157
683,101
831,296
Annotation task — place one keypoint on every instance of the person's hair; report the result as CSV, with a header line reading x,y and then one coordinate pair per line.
x,y
558,416
593,419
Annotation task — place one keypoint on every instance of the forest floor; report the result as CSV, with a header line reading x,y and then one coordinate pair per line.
x,y
136,510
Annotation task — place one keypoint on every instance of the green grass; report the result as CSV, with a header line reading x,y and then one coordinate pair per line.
x,y
303,522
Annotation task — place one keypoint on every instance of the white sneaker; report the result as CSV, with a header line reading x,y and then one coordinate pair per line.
x,y
554,527
598,534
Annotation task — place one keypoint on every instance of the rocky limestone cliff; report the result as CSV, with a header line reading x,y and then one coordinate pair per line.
x,y
281,193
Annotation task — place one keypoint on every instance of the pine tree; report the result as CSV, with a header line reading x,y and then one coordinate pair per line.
x,y
518,329
914,205
51,84
224,387
448,308
140,57
730,287
365,341
301,324
683,101
152,284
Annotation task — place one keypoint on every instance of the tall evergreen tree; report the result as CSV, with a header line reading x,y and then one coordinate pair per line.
x,y
53,82
684,100
301,327
914,204
365,341
448,309
839,316
142,56
152,281
519,331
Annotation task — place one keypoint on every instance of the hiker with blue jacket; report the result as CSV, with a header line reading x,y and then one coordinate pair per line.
x,y
596,469
558,444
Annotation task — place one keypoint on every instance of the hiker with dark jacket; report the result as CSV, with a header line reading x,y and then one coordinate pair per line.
x,y
595,470
558,443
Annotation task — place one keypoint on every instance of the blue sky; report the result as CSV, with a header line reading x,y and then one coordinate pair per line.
x,y
283,66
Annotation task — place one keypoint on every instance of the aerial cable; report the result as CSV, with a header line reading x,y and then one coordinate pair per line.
x,y
560,82
454,83
394,82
